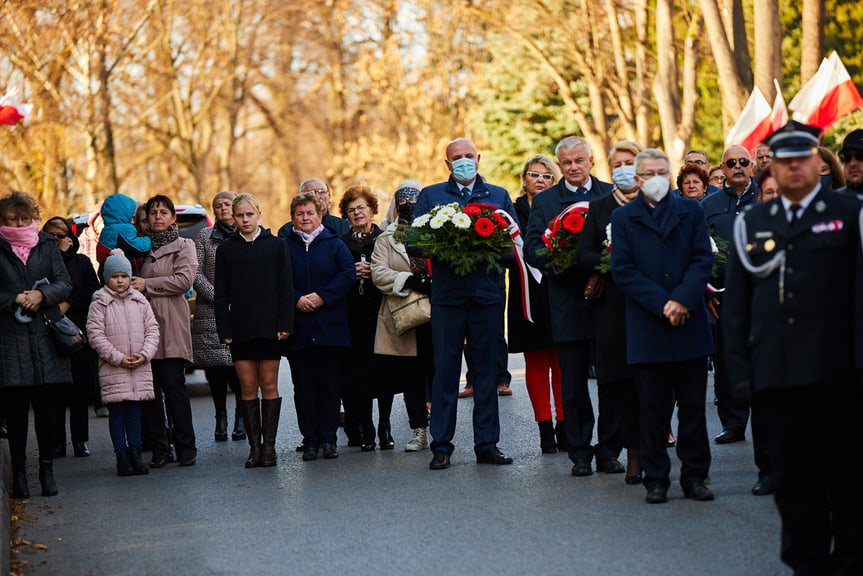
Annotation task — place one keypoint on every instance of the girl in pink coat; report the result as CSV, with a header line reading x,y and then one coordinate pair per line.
x,y
125,334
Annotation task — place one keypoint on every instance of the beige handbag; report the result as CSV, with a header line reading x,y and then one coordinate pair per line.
x,y
409,311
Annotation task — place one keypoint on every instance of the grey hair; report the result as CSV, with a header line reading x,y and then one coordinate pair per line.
x,y
650,154
569,143
307,180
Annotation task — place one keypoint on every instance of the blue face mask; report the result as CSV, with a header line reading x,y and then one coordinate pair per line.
x,y
464,169
827,182
624,177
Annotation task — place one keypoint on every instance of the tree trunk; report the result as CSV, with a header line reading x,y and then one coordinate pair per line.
x,y
641,50
666,89
812,43
768,47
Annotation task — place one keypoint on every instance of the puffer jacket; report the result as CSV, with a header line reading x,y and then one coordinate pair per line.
x,y
28,356
122,325
169,272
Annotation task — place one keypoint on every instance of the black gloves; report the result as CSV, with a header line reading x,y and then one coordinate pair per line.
x,y
418,284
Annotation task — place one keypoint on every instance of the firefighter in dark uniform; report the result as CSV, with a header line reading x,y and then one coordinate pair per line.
x,y
789,328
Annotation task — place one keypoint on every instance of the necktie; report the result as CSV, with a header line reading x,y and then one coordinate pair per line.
x,y
581,191
466,193
795,208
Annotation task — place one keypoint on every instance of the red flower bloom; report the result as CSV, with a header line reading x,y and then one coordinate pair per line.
x,y
609,249
574,222
484,227
500,220
472,210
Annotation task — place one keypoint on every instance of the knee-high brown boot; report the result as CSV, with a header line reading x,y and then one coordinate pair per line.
x,y
252,413
270,410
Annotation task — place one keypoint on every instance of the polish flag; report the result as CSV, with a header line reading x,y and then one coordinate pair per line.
x,y
11,112
828,96
754,124
779,116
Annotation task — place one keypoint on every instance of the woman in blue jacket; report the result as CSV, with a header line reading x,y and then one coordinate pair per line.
x,y
323,274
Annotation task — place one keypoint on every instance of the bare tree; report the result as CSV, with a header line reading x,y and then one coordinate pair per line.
x,y
768,47
812,43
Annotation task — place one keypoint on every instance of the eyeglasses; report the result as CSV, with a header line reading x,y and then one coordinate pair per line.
x,y
649,175
732,162
356,209
319,192
698,162
545,176
717,180
851,155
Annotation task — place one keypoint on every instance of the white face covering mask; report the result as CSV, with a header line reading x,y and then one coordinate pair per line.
x,y
655,188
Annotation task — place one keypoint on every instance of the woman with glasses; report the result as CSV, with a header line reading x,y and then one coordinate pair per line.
x,y
717,178
362,383
84,363
542,371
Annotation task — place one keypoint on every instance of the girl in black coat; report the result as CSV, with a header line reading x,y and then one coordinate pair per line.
x,y
254,307
84,362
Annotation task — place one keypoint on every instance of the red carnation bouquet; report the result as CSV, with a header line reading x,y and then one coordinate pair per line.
x,y
464,238
562,236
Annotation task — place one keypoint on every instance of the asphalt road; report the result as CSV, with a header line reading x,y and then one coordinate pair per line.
x,y
386,513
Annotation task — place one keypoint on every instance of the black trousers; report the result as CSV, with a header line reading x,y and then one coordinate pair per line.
x,y
733,413
503,375
221,378
316,373
626,408
172,400
78,402
407,373
654,385
814,437
17,402
574,360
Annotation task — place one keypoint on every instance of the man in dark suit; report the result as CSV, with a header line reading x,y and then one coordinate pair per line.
x,y
464,307
572,319
661,260
793,280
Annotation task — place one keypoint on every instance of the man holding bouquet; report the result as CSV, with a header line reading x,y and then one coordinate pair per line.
x,y
572,319
464,306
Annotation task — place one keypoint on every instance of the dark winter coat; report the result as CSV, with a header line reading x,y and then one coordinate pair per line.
x,y
28,356
610,308
363,309
324,267
523,336
653,264
571,317
254,288
338,226
721,209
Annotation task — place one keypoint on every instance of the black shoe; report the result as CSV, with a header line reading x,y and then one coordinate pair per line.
x,y
440,461
560,435
310,454
158,460
729,437
20,490
493,456
385,437
656,495
330,452
546,437
302,448
80,449
221,433
239,432
764,486
369,447
698,491
60,450
188,461
124,468
581,467
634,479
46,478
609,466
137,463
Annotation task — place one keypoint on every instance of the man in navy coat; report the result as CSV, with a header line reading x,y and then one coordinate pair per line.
x,y
661,260
794,281
572,318
464,307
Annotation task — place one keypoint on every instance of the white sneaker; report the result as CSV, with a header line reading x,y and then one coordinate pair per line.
x,y
420,441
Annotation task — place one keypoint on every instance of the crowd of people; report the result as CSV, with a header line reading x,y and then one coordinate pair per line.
x,y
752,266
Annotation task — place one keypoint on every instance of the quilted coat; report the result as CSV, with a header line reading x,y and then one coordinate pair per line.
x,y
170,271
121,325
28,356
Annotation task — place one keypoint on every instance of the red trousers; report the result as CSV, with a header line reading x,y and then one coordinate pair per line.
x,y
537,365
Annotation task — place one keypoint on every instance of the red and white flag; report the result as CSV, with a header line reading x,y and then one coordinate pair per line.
x,y
779,116
828,96
11,112
754,124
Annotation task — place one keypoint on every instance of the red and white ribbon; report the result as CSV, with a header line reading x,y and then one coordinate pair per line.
x,y
523,267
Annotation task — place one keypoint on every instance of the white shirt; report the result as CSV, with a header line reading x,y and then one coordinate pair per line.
x,y
803,204
587,186
255,237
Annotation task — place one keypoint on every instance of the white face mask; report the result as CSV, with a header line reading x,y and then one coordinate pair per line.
x,y
655,188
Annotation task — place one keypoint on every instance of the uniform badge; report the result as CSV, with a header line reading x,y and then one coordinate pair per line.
x,y
750,247
832,226
764,234
820,206
774,210
769,245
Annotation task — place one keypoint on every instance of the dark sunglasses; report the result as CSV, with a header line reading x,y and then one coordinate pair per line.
x,y
60,236
851,155
732,162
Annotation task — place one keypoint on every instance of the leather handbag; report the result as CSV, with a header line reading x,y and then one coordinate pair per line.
x,y
409,311
67,336
593,288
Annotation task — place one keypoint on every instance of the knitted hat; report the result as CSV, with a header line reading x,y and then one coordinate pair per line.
x,y
116,262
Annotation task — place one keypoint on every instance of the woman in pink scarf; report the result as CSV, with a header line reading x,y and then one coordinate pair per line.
x,y
30,367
